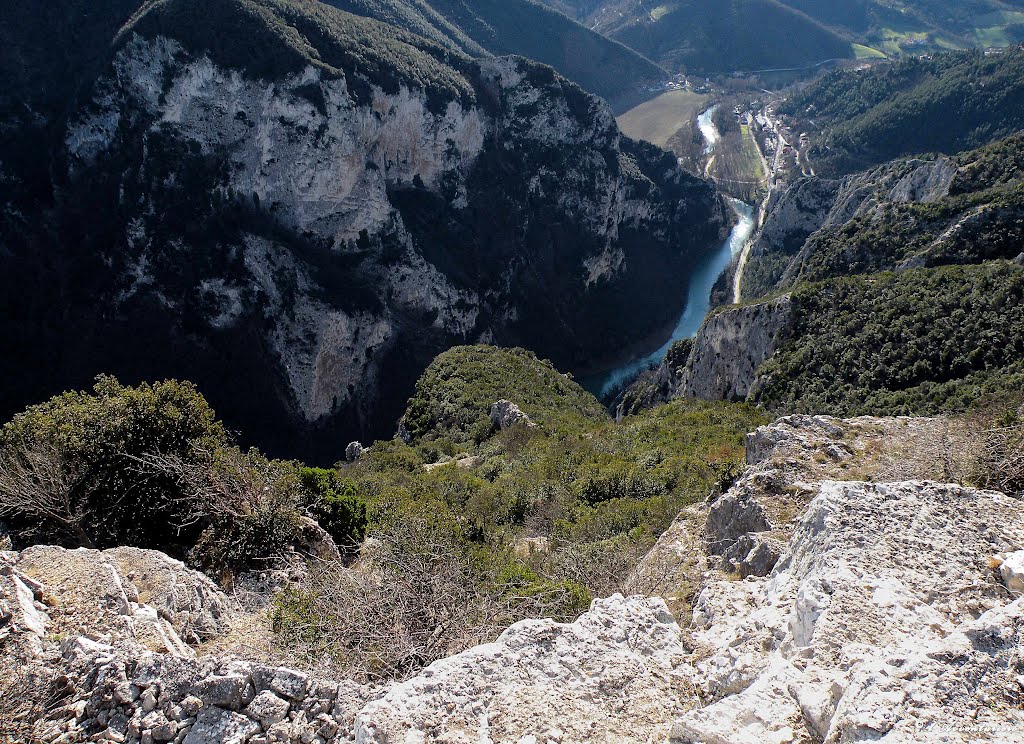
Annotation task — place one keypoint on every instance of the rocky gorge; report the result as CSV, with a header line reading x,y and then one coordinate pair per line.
x,y
327,216
845,588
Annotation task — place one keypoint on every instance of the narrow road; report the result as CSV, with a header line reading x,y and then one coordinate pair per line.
x,y
771,181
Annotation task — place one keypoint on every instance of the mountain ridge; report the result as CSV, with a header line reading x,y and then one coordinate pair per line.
x,y
331,227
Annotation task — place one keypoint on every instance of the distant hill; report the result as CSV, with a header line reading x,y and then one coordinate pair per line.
x,y
523,27
702,35
916,26
706,36
947,103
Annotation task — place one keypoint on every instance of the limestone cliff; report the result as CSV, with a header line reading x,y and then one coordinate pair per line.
x,y
722,362
309,226
788,240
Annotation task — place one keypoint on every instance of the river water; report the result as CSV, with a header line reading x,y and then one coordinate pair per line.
x,y
709,130
701,282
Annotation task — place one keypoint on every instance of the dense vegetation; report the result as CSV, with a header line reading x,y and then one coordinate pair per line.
x,y
914,342
946,103
151,466
575,476
705,37
981,218
486,526
472,527
392,41
530,29
454,395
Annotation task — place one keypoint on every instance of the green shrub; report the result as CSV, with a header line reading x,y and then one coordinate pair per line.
x,y
97,442
335,504
454,395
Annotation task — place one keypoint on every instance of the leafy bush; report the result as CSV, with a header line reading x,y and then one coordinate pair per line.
x,y
151,466
335,504
95,442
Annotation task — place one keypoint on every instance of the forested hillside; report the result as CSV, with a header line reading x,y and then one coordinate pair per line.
x,y
702,36
921,341
947,103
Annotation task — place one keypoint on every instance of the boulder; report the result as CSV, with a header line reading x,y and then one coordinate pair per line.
x,y
267,708
354,451
217,726
613,675
505,413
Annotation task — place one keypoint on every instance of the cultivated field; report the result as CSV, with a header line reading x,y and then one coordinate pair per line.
x,y
658,119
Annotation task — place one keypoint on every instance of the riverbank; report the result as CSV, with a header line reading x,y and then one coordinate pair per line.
x,y
698,303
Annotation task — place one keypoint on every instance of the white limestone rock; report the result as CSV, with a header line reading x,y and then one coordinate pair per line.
x,y
882,621
612,675
505,414
142,595
217,726
354,451
731,346
1011,569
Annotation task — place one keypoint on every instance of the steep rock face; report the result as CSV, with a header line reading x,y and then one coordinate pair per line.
x,y
730,347
787,241
311,240
721,362
791,218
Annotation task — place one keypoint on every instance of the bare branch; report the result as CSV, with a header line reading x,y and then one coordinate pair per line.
x,y
38,483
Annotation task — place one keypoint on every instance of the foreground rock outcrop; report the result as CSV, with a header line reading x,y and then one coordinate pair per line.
x,y
116,641
613,675
882,620
838,592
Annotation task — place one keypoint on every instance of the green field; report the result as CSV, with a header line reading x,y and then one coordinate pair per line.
x,y
658,119
866,52
737,167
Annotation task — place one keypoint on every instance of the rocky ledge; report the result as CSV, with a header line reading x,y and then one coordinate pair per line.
x,y
876,603
131,646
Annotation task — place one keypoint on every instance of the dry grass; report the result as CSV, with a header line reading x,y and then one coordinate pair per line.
x,y
658,119
27,696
